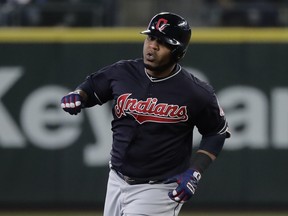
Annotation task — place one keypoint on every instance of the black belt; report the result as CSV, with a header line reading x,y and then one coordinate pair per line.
x,y
135,181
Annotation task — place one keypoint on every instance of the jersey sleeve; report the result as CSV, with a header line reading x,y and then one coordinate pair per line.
x,y
211,120
212,124
98,87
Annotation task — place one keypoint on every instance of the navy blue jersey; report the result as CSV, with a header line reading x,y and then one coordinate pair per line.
x,y
153,118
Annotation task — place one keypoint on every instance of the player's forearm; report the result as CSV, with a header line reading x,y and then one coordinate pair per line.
x,y
202,160
212,156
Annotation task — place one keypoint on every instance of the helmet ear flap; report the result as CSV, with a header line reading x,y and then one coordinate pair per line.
x,y
178,53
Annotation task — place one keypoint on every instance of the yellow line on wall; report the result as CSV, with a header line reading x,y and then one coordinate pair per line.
x,y
70,35
132,35
241,35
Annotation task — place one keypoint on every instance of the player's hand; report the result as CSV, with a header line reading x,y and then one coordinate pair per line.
x,y
187,184
72,103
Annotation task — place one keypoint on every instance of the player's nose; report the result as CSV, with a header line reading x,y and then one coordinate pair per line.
x,y
154,44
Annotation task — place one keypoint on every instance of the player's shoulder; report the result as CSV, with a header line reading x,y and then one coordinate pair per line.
x,y
200,85
121,66
128,63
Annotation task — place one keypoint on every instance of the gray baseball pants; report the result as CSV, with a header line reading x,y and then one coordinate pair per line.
x,y
123,199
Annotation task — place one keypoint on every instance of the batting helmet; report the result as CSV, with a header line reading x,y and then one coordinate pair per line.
x,y
172,29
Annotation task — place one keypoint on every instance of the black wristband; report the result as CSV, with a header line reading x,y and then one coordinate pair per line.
x,y
200,162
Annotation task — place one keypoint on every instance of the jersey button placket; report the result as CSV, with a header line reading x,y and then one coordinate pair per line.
x,y
150,87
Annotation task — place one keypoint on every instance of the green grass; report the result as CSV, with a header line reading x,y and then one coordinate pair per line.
x,y
91,213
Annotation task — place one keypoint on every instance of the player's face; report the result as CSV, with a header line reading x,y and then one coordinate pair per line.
x,y
157,55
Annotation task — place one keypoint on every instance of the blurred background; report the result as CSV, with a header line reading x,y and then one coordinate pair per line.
x,y
91,13
51,160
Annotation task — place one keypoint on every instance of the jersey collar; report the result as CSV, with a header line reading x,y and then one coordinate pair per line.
x,y
154,79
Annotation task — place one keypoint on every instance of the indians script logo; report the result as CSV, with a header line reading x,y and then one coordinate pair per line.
x,y
149,110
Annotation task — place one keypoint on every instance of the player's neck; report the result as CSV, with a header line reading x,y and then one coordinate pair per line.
x,y
163,73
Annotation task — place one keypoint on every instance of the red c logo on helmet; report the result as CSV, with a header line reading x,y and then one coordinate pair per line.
x,y
161,24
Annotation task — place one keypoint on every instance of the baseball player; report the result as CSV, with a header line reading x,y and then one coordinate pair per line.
x,y
156,105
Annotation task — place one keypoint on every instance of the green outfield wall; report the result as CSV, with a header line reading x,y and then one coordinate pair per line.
x,y
48,157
